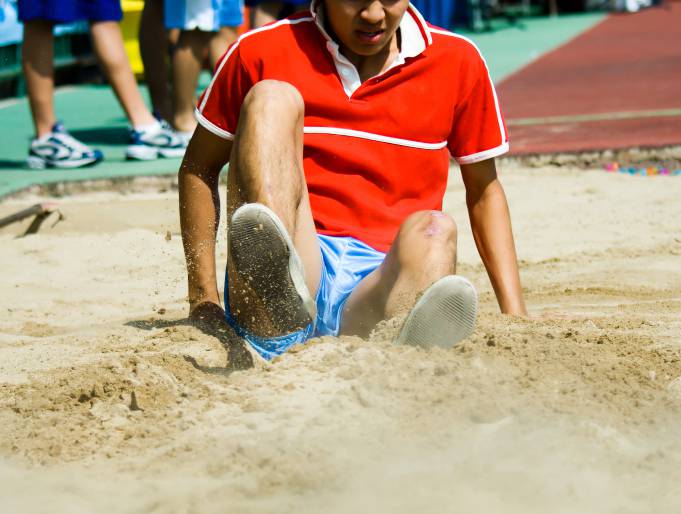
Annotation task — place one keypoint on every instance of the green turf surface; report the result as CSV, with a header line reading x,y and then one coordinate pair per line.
x,y
92,114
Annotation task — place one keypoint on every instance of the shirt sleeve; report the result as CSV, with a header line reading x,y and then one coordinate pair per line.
x,y
219,106
478,129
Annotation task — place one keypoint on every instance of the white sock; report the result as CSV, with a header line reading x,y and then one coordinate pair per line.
x,y
42,139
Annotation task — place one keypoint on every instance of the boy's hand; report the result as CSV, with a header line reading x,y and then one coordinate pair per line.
x,y
491,225
209,317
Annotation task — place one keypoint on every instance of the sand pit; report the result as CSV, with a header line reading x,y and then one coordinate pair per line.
x,y
111,403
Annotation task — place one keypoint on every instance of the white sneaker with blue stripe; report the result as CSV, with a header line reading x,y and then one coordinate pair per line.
x,y
59,149
158,140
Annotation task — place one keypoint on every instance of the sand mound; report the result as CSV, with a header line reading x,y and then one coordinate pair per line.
x,y
110,402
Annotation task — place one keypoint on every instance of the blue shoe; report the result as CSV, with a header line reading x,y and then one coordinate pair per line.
x,y
59,149
159,140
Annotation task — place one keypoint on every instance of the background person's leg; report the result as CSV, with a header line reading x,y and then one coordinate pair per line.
x,y
153,40
266,166
108,44
423,252
266,12
219,42
229,17
37,60
187,63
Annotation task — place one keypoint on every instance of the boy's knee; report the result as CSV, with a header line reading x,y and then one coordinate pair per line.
x,y
274,95
426,241
434,227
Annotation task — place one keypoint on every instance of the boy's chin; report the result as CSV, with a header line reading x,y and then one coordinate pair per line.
x,y
368,50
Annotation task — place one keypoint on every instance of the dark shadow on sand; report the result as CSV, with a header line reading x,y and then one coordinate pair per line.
x,y
211,370
238,356
152,324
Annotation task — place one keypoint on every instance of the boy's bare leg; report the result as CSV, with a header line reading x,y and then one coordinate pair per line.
x,y
219,42
154,51
266,166
37,60
108,45
423,252
187,60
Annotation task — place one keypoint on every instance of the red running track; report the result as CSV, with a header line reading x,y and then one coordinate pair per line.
x,y
623,75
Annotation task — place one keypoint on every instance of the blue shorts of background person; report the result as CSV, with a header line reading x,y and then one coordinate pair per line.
x,y
67,11
345,262
204,15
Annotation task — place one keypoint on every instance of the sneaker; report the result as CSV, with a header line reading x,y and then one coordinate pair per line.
x,y
264,255
185,137
59,149
158,140
443,316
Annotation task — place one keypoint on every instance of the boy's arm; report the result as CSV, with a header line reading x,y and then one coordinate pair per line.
x,y
205,157
491,224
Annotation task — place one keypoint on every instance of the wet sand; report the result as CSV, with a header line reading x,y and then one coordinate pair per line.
x,y
110,402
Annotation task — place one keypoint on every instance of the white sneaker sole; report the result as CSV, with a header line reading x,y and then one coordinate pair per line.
x,y
171,153
264,255
443,316
37,163
150,153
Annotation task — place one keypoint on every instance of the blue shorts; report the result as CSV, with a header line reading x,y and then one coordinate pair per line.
x,y
67,11
205,15
345,262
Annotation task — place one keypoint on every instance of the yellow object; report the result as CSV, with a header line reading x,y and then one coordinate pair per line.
x,y
130,25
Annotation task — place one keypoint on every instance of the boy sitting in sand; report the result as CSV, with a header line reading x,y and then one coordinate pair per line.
x,y
338,125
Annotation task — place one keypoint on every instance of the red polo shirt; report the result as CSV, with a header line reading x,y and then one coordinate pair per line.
x,y
374,152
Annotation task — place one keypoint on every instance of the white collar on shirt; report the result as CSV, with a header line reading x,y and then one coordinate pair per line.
x,y
413,43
